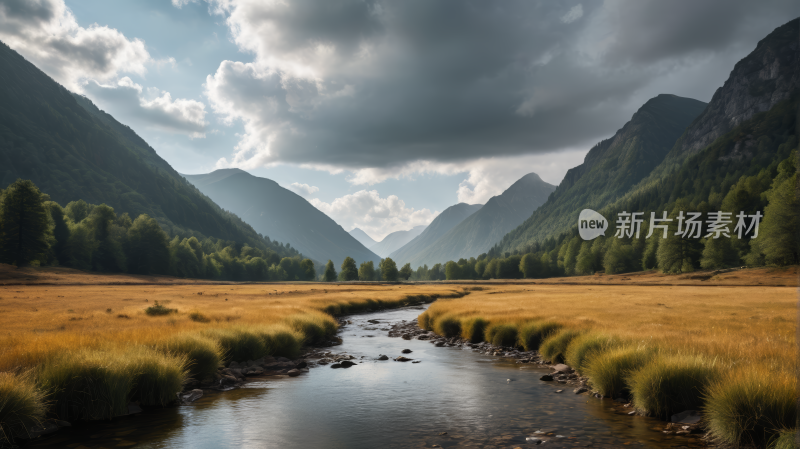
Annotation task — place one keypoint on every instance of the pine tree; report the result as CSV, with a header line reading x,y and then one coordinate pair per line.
x,y
25,232
585,260
330,272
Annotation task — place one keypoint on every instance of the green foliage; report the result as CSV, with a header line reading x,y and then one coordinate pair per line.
x,y
157,376
473,329
448,326
349,271
238,344
203,355
405,272
159,310
583,348
147,247
554,347
532,334
501,334
366,272
751,407
389,270
330,272
671,384
24,224
608,370
787,439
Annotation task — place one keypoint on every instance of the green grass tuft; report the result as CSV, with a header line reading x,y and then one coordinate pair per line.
x,y
448,326
281,341
238,344
501,334
315,328
608,370
532,334
424,321
473,329
554,347
22,406
787,439
159,310
751,406
87,384
671,384
157,377
584,347
198,317
203,354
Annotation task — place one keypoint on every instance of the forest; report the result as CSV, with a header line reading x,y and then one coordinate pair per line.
x,y
36,231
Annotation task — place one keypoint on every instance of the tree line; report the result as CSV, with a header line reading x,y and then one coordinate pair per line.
x,y
35,231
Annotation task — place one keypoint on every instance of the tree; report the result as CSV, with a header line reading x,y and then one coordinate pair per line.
x,y
571,255
777,236
618,258
308,270
109,255
530,266
719,253
330,272
406,272
25,232
60,232
452,271
349,271
584,263
76,211
148,250
366,272
388,270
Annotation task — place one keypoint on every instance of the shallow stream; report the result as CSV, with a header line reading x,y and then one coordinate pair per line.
x,y
478,400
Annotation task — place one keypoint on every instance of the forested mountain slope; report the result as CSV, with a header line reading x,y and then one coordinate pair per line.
x,y
443,222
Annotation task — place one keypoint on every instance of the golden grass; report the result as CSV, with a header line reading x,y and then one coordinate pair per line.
x,y
752,324
39,320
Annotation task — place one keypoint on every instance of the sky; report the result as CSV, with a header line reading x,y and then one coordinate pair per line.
x,y
384,113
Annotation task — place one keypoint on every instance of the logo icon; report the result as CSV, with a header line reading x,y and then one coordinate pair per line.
x,y
591,224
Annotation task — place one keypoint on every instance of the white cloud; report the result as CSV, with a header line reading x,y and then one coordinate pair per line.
x,y
46,33
575,13
375,215
151,107
304,190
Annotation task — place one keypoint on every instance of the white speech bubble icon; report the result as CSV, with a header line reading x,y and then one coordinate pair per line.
x,y
591,224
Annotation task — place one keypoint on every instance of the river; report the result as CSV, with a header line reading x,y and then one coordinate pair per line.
x,y
478,400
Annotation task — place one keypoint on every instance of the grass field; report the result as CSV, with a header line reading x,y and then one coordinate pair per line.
x,y
719,342
729,350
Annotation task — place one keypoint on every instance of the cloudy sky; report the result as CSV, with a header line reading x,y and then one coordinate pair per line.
x,y
384,113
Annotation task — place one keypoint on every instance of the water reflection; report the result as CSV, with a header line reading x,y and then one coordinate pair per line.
x,y
478,401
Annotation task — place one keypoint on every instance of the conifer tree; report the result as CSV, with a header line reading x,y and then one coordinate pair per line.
x,y
388,270
25,232
349,271
330,272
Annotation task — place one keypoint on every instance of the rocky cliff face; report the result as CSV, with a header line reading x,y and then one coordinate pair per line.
x,y
758,82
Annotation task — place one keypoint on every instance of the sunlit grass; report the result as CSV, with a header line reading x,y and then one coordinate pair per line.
x,y
554,347
22,406
531,335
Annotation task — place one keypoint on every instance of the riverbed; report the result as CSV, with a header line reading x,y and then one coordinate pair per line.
x,y
452,398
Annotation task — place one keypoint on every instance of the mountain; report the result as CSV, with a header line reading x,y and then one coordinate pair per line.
x,y
481,230
281,215
443,222
362,237
72,150
611,167
395,240
746,130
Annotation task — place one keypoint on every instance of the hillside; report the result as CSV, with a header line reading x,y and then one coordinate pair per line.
x,y
395,241
281,215
443,222
71,150
362,237
481,230
612,166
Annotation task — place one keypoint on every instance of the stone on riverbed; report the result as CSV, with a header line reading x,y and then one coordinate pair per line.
x,y
406,351
294,372
336,365
687,417
346,364
561,368
546,378
191,396
383,357
402,359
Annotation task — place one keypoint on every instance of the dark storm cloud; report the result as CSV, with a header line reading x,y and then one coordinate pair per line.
x,y
378,84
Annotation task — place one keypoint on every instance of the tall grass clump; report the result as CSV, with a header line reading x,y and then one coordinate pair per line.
x,y
238,344
447,326
157,376
607,371
473,329
281,340
87,384
315,327
787,439
22,406
751,406
671,384
502,334
159,310
198,317
203,354
532,334
555,346
584,347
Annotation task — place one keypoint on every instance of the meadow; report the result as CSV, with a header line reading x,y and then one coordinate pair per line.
x,y
80,347
82,352
728,351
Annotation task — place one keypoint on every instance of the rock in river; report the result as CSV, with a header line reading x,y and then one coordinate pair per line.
x,y
546,378
383,357
406,351
294,372
346,364
402,359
